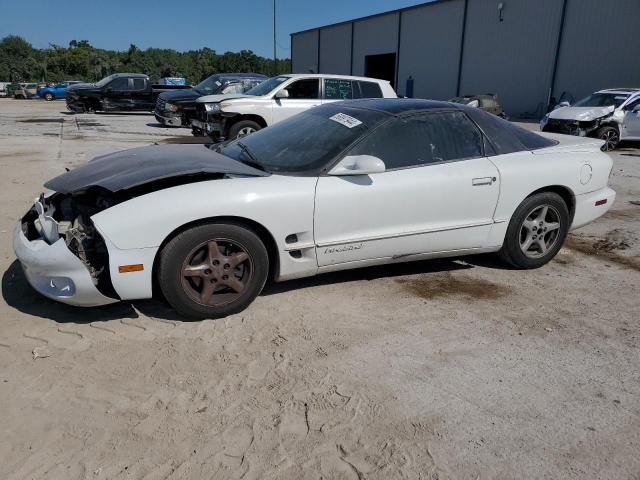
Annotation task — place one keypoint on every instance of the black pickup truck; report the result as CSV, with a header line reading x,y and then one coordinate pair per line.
x,y
120,91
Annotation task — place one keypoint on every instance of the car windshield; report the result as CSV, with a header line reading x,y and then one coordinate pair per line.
x,y
209,85
602,100
304,143
266,87
105,80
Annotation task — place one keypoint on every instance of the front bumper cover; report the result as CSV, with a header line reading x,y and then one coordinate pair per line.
x,y
55,272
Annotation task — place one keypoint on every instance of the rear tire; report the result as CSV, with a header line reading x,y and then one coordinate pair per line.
x,y
213,270
611,138
242,129
536,231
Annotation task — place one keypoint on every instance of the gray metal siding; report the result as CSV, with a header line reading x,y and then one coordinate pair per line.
x,y
430,41
374,36
335,49
304,52
513,58
600,47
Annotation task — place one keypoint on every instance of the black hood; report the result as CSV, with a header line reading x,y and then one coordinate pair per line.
x,y
179,96
131,168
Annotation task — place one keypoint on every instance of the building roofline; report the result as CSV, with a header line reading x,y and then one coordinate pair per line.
x,y
389,12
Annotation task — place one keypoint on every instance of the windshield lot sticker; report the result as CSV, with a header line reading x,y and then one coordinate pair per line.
x,y
346,120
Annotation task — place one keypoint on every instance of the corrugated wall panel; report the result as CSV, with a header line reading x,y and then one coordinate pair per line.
x,y
430,41
374,36
514,57
600,47
335,49
304,52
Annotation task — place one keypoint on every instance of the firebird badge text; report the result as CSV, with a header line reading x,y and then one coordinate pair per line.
x,y
343,248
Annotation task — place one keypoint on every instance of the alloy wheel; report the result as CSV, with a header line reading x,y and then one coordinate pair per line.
x,y
610,138
539,231
245,131
217,272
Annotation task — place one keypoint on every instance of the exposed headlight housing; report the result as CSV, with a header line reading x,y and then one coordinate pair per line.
x,y
170,107
212,107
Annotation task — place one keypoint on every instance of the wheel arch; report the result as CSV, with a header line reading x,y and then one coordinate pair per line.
x,y
263,233
564,192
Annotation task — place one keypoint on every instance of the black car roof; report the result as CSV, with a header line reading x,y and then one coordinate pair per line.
x,y
398,106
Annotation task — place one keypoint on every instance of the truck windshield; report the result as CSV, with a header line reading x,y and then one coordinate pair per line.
x,y
306,142
602,100
209,85
105,80
266,87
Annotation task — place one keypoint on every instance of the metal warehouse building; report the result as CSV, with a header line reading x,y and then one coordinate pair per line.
x,y
526,51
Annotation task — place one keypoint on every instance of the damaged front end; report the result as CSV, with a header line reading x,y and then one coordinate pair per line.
x,y
63,255
579,128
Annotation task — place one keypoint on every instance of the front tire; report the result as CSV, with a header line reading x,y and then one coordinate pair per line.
x,y
242,129
610,136
213,270
536,231
48,97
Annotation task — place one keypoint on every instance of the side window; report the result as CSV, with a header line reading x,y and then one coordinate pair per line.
x,y
138,84
422,140
368,90
631,105
304,89
337,89
487,103
120,83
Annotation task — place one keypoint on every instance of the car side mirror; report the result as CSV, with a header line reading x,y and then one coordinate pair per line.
x,y
282,93
358,165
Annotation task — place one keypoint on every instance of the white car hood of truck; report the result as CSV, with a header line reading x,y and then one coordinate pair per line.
x,y
583,114
219,98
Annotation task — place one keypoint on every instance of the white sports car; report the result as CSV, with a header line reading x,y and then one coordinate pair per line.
x,y
340,186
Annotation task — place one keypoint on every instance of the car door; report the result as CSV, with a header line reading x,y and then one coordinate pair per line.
x,y
117,95
141,95
303,94
632,119
438,193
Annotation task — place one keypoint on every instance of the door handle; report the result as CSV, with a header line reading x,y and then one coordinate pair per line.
x,y
476,182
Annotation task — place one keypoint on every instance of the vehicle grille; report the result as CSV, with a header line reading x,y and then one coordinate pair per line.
x,y
160,103
567,127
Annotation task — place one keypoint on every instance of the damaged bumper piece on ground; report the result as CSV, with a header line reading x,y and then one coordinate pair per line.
x,y
61,260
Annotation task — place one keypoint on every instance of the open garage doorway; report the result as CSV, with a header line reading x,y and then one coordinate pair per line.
x,y
381,66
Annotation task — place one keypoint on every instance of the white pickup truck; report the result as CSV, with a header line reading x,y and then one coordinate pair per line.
x,y
225,117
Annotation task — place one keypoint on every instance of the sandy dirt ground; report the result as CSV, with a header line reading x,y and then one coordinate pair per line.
x,y
457,368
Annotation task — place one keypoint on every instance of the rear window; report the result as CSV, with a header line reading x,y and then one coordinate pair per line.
x,y
506,137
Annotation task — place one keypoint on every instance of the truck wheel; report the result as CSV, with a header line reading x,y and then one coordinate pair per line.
x,y
213,270
242,129
536,231
48,96
610,136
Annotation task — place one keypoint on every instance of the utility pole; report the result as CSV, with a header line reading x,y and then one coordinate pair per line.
x,y
275,59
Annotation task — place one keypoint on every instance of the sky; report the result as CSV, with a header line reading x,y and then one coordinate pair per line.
x,y
230,25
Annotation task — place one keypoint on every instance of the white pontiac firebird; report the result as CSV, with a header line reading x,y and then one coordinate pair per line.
x,y
340,186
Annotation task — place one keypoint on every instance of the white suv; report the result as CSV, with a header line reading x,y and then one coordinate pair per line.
x,y
611,115
225,117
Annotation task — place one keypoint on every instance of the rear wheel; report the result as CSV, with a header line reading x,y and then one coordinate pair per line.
x,y
536,231
213,270
242,129
48,96
610,136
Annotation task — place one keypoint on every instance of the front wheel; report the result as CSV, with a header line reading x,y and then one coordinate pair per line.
x,y
610,136
48,97
242,129
213,270
536,231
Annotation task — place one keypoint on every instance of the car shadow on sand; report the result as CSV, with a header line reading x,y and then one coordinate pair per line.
x,y
17,292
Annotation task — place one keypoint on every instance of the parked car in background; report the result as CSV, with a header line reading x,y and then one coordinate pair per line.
x,y
173,81
225,117
340,186
178,108
26,90
488,103
611,115
57,90
3,89
120,91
